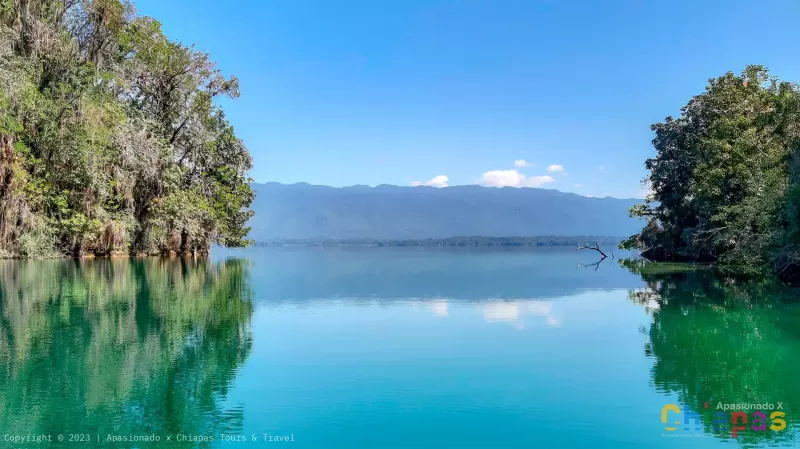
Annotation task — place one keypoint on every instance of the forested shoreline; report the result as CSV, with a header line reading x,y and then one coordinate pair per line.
x,y
725,180
110,138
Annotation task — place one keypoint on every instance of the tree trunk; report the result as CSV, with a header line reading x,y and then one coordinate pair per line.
x,y
143,218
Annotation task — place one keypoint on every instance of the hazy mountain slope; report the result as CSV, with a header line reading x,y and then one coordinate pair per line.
x,y
303,211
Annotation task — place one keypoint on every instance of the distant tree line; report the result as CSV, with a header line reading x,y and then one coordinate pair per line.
x,y
471,241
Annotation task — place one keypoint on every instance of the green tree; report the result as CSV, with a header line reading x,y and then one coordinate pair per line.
x,y
111,138
722,180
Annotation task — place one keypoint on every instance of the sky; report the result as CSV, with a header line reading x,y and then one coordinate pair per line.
x,y
554,94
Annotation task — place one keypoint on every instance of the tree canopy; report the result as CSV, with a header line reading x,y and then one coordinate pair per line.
x,y
725,179
110,137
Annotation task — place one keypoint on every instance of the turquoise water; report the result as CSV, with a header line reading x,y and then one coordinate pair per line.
x,y
389,348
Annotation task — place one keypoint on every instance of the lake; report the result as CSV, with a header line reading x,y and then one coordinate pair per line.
x,y
393,348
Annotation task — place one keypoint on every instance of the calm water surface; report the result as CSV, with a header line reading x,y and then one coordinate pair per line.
x,y
389,348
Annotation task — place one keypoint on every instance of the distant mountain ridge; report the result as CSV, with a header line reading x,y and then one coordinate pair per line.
x,y
304,211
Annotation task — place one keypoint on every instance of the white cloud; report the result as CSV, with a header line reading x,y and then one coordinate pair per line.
x,y
578,185
602,167
436,181
438,307
555,168
512,178
523,163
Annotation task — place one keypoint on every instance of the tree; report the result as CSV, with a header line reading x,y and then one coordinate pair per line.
x,y
722,180
112,140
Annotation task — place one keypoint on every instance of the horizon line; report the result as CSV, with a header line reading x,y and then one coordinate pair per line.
x,y
304,183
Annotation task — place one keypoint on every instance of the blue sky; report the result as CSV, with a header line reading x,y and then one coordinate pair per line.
x,y
343,92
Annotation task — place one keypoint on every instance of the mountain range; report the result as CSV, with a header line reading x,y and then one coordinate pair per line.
x,y
304,211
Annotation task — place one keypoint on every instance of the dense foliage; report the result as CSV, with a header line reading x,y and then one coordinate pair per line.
x,y
725,178
472,241
110,139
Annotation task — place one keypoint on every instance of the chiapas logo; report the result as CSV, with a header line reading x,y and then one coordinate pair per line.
x,y
733,418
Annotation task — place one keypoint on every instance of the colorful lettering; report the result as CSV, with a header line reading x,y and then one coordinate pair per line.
x,y
688,415
720,423
667,408
760,418
736,417
778,423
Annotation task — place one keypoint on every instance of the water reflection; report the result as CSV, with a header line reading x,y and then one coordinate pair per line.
x,y
153,346
304,275
439,307
718,340
121,346
512,312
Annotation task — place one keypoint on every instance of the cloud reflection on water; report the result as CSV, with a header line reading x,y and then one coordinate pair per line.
x,y
513,312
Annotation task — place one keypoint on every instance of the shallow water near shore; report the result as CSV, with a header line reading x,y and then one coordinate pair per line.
x,y
390,348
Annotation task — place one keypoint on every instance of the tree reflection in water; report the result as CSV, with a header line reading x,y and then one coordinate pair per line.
x,y
716,339
127,346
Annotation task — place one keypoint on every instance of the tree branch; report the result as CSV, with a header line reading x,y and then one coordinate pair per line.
x,y
596,265
178,130
596,247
